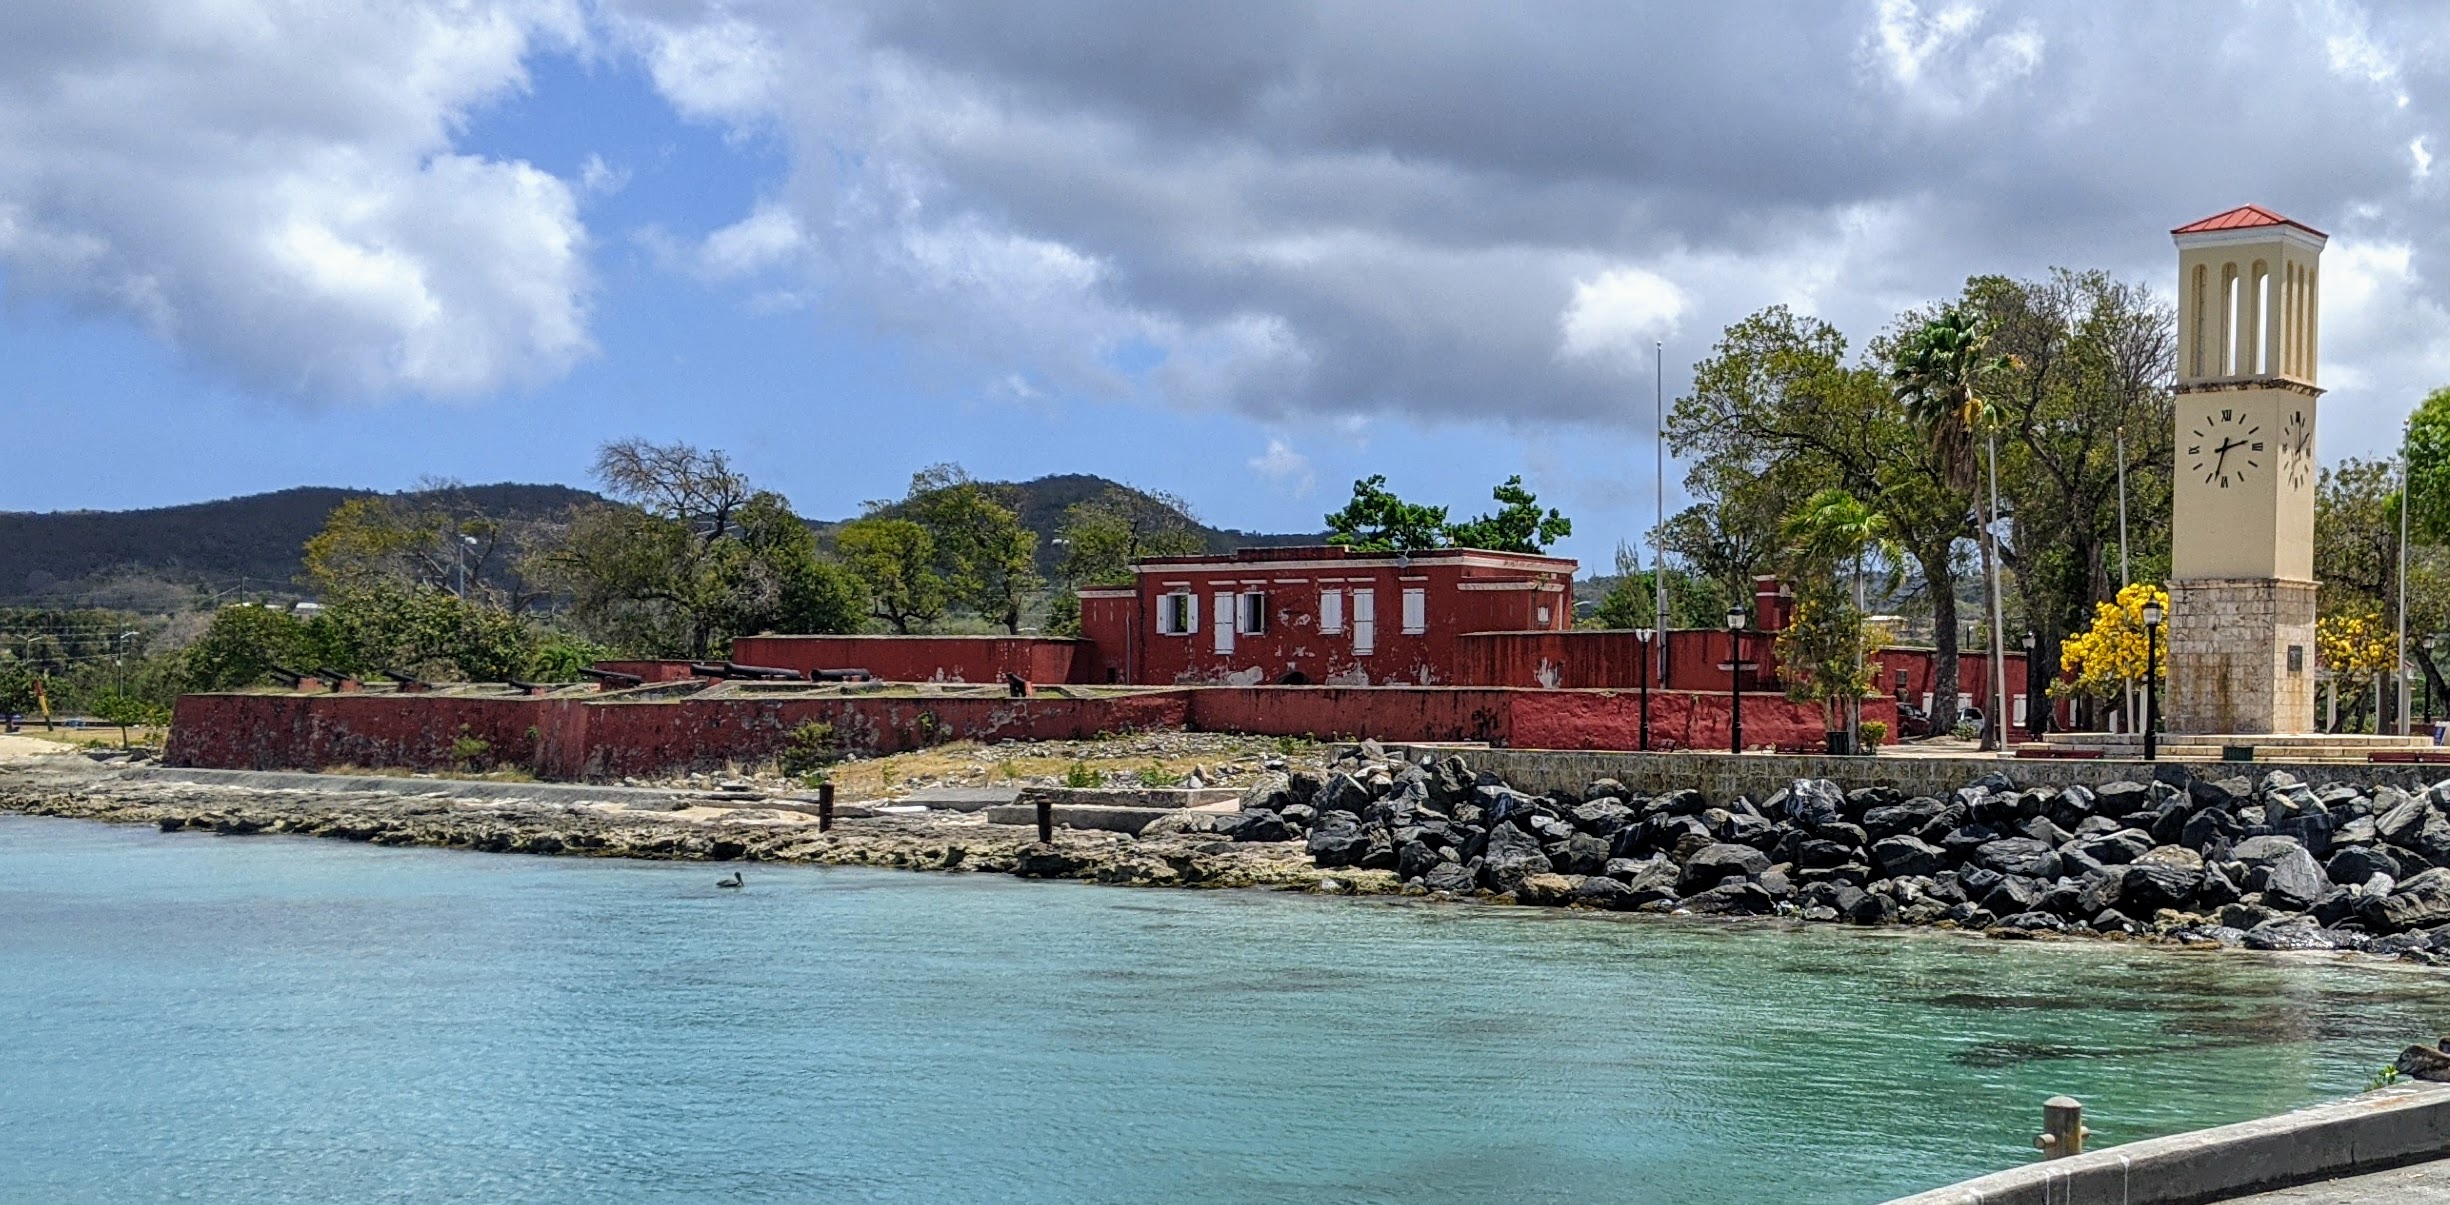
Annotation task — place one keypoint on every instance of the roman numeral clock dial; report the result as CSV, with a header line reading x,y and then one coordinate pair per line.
x,y
2225,448
2297,449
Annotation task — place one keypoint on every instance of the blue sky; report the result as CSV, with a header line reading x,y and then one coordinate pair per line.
x,y
1243,253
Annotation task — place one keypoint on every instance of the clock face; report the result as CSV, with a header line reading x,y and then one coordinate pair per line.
x,y
2297,449
2225,447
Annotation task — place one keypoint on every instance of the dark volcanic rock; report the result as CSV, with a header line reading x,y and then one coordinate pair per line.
x,y
2289,933
1903,855
1733,898
2116,848
2013,894
1602,817
1810,801
2356,864
1260,826
2019,856
1511,857
1337,840
1450,877
2422,902
2033,922
2294,880
1715,863
1907,817
1600,891
1341,793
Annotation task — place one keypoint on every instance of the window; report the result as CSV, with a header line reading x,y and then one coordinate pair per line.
x,y
1176,616
1416,612
1225,613
1253,617
1543,620
1331,611
1365,622
2020,702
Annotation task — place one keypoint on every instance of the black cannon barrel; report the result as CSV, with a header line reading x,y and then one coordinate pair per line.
x,y
763,673
841,675
612,676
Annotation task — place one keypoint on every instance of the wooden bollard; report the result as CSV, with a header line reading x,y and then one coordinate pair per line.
x,y
1046,822
825,807
2063,1131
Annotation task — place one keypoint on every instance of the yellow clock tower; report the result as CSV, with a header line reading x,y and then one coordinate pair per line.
x,y
2241,594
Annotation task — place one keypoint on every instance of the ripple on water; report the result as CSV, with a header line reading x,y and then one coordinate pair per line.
x,y
287,1019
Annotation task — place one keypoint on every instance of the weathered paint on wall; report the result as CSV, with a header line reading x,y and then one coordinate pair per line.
x,y
583,736
979,659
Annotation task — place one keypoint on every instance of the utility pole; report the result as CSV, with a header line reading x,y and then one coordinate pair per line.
x,y
1658,531
2123,580
2399,698
1995,725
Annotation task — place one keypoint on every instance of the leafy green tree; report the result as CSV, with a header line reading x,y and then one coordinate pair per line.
x,y
1834,531
1936,371
987,559
560,656
1517,526
423,631
244,642
1777,414
1378,521
895,562
1104,536
16,688
2427,448
127,709
2087,358
1632,599
694,557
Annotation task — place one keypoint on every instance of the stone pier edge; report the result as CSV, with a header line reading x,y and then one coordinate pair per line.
x,y
2380,1130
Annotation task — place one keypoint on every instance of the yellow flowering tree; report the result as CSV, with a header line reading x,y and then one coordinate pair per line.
x,y
2107,658
2349,643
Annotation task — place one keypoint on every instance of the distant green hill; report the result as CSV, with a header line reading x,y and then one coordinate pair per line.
x,y
147,560
155,560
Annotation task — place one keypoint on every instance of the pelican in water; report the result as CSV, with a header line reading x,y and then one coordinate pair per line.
x,y
732,882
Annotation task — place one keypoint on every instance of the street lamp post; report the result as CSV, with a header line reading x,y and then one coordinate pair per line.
x,y
2152,650
2035,717
1735,678
1645,635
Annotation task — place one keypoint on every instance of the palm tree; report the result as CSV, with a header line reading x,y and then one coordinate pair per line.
x,y
1934,379
1834,528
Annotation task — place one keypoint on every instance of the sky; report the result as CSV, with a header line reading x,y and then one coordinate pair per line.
x,y
1245,252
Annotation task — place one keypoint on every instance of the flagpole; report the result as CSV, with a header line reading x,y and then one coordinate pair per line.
x,y
1658,531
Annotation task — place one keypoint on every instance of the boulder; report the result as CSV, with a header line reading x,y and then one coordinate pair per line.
x,y
1815,853
2033,922
2292,881
2399,825
1716,863
1337,840
1600,891
1907,817
1734,898
2115,848
2289,933
1583,854
2146,887
2356,864
1416,860
2422,902
2260,852
2217,890
2013,895
1452,878
1510,857
1605,788
1258,826
1872,908
1904,855
1602,817
2019,856
1547,890
1810,801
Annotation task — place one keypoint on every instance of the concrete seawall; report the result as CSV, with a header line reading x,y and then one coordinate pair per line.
x,y
2388,1128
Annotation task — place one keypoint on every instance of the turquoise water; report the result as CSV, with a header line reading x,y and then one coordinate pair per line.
x,y
272,1019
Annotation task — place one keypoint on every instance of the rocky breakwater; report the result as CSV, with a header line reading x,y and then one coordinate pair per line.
x,y
2268,863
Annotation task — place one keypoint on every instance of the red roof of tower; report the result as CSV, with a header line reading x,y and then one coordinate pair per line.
x,y
2245,217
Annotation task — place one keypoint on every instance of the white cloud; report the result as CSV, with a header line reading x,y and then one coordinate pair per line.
x,y
275,189
769,236
1289,471
1936,58
2421,158
1618,313
600,179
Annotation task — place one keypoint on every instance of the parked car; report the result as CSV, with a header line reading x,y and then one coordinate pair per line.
x,y
1913,723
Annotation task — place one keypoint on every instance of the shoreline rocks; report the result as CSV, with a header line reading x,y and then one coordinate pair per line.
x,y
2267,863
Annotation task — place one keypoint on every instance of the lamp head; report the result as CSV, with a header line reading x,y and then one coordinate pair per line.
x,y
1644,634
1735,618
2152,614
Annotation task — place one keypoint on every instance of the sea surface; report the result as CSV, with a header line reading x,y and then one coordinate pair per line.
x,y
197,1018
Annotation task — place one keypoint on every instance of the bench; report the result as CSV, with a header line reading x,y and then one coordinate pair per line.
x,y
2415,757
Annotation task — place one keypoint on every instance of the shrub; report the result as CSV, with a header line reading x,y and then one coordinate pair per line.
x,y
810,748
1875,734
469,751
1967,731
1154,776
1080,777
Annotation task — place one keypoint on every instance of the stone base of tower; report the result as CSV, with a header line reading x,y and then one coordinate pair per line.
x,y
2241,656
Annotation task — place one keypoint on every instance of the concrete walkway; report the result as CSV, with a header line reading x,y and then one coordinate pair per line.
x,y
2423,1184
